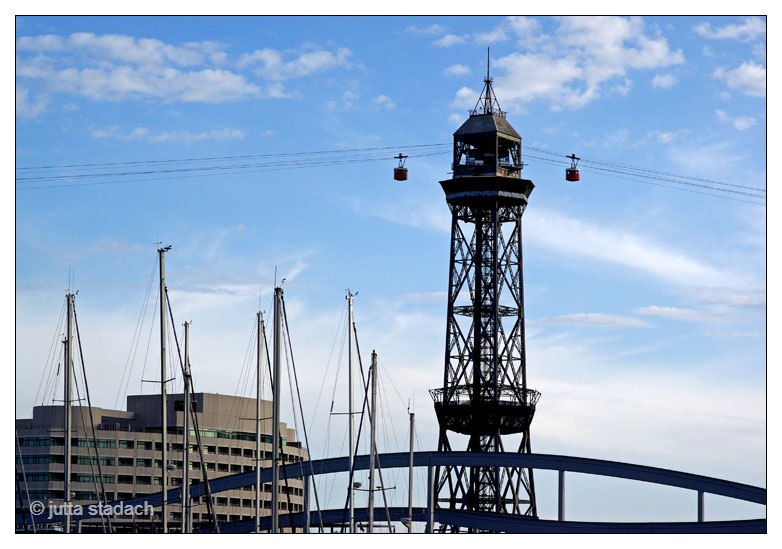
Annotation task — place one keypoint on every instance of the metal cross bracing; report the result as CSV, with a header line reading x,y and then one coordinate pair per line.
x,y
485,392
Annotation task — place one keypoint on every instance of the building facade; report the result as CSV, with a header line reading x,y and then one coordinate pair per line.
x,y
129,449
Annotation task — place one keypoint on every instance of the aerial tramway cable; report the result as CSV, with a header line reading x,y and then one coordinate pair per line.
x,y
183,168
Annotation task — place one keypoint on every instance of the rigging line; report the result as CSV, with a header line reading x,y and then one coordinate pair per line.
x,y
135,340
56,381
345,335
388,376
210,508
285,346
328,364
146,354
242,374
390,416
204,159
364,412
50,357
194,415
24,480
637,168
301,408
89,406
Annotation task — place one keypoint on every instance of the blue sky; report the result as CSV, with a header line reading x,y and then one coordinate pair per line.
x,y
645,304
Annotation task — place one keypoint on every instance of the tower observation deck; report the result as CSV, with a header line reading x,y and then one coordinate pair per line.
x,y
484,400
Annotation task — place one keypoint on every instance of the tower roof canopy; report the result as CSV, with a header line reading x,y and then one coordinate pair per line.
x,y
486,123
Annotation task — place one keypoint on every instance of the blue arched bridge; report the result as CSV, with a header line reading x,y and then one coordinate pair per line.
x,y
309,521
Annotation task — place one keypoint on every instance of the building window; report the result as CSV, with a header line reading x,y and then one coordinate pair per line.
x,y
126,444
41,441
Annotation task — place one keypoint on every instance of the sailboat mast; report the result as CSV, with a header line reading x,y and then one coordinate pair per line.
x,y
276,410
163,407
350,414
67,399
410,477
186,507
372,449
258,409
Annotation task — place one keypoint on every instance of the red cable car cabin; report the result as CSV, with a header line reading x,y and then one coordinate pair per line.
x,y
400,172
571,173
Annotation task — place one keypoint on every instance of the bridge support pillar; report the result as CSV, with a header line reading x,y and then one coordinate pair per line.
x,y
700,506
561,508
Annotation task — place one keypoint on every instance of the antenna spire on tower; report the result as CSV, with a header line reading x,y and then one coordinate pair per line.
x,y
488,101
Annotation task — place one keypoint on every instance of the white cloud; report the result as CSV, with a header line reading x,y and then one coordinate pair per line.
x,y
674,420
675,313
664,81
274,67
530,77
664,138
749,29
571,237
498,34
456,118
584,59
47,42
429,29
622,88
749,78
105,80
526,29
597,319
422,297
457,70
741,123
115,67
384,102
411,212
27,107
348,99
144,134
449,40
122,48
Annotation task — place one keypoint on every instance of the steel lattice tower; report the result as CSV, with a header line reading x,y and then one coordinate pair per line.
x,y
484,395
